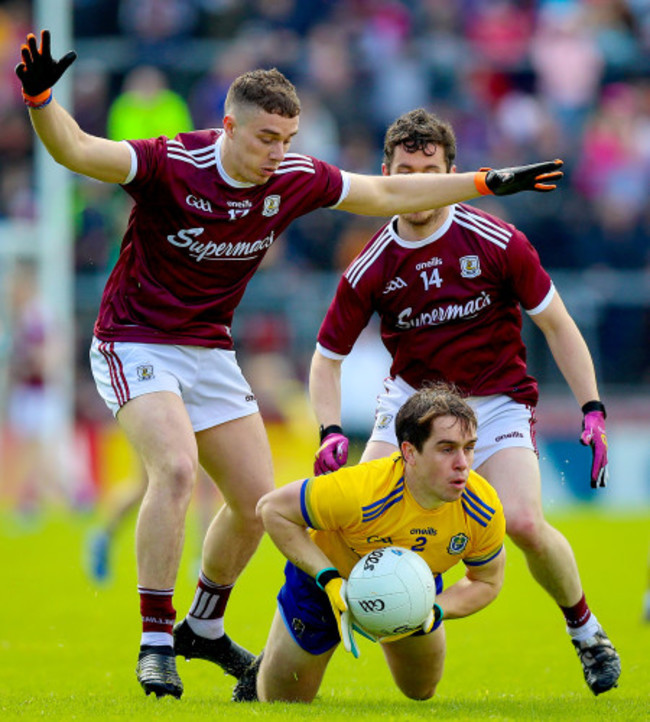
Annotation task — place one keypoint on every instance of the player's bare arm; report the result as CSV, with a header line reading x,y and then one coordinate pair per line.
x,y
70,146
325,389
475,590
409,193
569,349
280,512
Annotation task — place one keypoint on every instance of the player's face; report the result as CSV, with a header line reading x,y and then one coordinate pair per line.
x,y
438,474
256,143
433,161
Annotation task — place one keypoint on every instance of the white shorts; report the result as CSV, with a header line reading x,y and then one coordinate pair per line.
x,y
502,422
208,380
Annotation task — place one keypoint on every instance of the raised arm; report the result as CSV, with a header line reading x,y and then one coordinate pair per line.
x,y
61,135
406,193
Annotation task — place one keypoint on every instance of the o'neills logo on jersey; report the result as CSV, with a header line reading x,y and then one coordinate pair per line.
x,y
443,314
431,263
211,251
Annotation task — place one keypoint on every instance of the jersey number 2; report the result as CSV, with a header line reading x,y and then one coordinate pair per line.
x,y
419,544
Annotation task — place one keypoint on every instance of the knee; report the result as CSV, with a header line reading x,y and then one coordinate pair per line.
x,y
176,476
422,694
526,530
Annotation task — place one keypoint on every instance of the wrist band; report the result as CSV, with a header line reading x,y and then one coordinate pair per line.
x,y
327,430
479,182
325,576
594,406
38,101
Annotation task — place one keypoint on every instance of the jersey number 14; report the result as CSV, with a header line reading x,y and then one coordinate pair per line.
x,y
431,280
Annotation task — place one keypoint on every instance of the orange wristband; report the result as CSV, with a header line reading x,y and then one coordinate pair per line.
x,y
479,182
38,101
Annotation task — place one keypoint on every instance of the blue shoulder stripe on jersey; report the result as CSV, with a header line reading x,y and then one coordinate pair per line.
x,y
469,512
303,504
481,512
483,561
378,512
478,500
399,488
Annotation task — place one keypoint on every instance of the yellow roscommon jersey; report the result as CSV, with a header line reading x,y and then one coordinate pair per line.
x,y
365,507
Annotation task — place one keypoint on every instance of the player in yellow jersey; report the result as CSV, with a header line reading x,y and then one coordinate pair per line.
x,y
425,498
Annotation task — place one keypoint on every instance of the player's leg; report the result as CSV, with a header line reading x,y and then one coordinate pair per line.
x,y
303,637
288,673
514,473
158,427
417,663
237,455
159,430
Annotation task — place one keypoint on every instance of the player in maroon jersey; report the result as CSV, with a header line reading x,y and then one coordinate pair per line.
x,y
208,205
447,285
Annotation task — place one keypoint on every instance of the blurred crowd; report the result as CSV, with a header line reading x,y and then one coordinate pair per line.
x,y
520,81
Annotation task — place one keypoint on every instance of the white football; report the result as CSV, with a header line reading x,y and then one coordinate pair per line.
x,y
390,591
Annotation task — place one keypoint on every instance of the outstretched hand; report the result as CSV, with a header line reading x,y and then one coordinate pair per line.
x,y
540,177
38,71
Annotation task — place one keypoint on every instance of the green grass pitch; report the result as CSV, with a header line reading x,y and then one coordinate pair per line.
x,y
68,647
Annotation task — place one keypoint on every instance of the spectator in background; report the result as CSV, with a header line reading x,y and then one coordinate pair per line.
x,y
33,472
157,26
147,108
568,65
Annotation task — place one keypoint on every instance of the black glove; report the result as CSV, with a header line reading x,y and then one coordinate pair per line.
x,y
539,177
38,71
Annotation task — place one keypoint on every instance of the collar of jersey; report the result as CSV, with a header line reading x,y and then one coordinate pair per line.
x,y
222,171
425,241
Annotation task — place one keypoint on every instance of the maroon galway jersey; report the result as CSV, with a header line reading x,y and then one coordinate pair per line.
x,y
196,236
449,305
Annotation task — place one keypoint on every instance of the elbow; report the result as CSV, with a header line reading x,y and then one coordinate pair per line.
x,y
262,508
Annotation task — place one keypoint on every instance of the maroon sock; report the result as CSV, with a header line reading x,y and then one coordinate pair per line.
x,y
210,599
157,610
578,614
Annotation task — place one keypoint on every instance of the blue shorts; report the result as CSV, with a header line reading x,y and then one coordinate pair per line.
x,y
306,611
307,614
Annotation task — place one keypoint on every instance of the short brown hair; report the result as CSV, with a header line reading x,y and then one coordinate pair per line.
x,y
268,90
414,420
416,130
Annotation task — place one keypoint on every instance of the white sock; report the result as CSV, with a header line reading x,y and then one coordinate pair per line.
x,y
157,639
588,629
209,628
